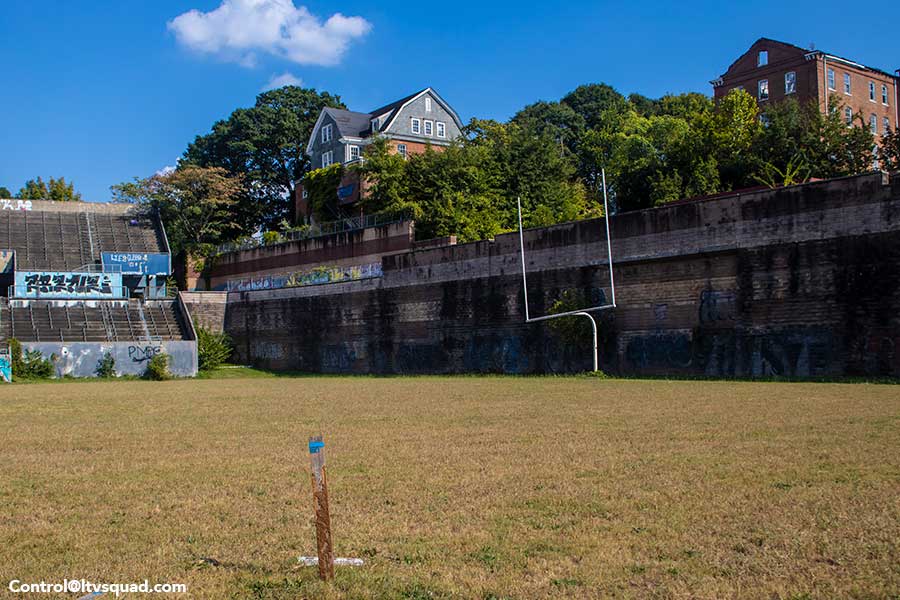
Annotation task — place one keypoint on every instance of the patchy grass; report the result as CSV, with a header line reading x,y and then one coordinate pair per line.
x,y
457,487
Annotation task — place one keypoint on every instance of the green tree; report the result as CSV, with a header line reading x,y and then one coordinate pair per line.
x,y
5,193
195,203
890,151
265,145
558,121
385,173
733,130
596,103
54,189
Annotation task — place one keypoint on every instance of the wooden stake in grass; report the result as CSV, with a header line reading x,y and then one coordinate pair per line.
x,y
320,503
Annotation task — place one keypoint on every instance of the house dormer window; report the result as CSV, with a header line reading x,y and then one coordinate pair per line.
x,y
415,125
427,104
441,129
352,152
326,133
762,59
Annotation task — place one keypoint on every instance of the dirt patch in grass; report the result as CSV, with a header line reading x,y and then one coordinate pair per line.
x,y
458,487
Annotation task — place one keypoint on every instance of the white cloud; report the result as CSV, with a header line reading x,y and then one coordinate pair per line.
x,y
240,29
168,169
277,81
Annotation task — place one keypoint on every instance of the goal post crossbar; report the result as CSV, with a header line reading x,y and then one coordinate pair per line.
x,y
582,311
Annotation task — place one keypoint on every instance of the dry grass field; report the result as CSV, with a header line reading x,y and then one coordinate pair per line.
x,y
457,487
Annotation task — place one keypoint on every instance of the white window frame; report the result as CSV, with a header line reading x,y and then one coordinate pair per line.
x,y
832,81
872,92
793,82
326,133
884,94
402,150
327,159
848,115
415,125
886,125
762,58
350,156
428,128
873,124
759,89
848,84
440,129
427,104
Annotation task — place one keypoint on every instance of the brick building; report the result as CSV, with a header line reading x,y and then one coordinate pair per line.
x,y
772,70
410,125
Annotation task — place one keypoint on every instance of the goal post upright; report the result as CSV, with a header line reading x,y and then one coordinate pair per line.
x,y
583,312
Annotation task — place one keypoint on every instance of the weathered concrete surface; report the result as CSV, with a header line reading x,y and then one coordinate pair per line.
x,y
206,309
349,248
799,282
80,359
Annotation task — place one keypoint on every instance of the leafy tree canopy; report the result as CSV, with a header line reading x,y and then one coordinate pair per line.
x,y
266,146
54,189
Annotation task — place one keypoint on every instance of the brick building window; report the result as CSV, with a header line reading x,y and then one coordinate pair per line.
x,y
762,59
416,126
848,115
763,90
401,150
847,83
872,91
886,129
790,82
873,124
884,95
830,79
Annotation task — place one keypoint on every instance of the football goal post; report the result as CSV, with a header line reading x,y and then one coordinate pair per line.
x,y
583,312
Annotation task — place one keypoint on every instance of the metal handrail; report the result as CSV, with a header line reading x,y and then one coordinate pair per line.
x,y
329,228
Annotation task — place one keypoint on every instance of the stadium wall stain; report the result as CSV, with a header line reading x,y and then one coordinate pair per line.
x,y
796,282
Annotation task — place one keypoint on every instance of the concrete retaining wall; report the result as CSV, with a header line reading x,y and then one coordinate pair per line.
x,y
799,282
79,359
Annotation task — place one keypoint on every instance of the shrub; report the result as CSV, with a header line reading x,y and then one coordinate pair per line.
x,y
574,331
106,366
213,348
29,364
158,368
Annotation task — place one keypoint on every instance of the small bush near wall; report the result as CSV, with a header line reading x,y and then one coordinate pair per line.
x,y
213,349
158,368
29,364
106,366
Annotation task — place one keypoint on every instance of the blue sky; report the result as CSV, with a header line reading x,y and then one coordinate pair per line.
x,y
103,91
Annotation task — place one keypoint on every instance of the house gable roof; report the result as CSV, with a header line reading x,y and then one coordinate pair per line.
x,y
353,124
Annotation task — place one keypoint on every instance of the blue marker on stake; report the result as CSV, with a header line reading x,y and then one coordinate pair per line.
x,y
314,447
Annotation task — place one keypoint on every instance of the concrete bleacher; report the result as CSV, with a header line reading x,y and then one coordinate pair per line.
x,y
92,321
67,236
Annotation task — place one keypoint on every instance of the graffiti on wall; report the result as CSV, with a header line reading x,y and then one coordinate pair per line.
x,y
15,204
139,354
136,263
5,366
318,276
41,284
6,260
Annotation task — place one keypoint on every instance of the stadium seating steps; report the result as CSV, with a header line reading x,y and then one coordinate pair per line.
x,y
68,241
91,321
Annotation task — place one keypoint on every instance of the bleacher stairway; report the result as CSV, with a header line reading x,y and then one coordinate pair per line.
x,y
92,320
67,241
